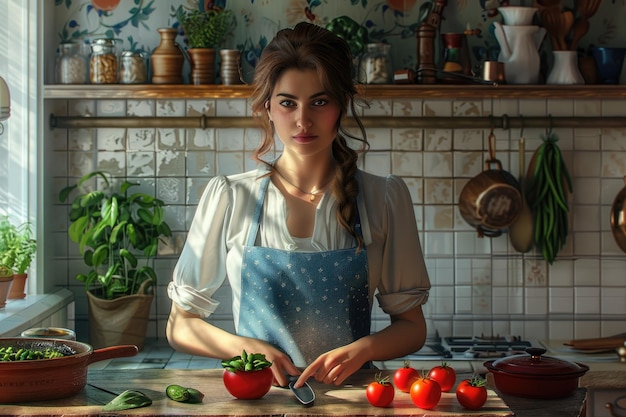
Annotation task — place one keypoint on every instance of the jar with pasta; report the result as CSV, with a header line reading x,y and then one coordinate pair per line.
x,y
71,65
103,66
133,68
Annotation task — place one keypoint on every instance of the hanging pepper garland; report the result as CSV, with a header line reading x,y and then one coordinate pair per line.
x,y
548,193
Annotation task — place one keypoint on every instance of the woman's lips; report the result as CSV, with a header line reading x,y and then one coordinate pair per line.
x,y
304,138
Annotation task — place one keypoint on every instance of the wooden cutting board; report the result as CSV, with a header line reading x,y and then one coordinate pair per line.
x,y
330,401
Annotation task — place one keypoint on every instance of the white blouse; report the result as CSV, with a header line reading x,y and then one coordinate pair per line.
x,y
214,246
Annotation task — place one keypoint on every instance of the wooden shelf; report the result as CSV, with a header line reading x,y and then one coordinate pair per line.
x,y
443,91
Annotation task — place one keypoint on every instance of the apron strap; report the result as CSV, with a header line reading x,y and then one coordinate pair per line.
x,y
254,227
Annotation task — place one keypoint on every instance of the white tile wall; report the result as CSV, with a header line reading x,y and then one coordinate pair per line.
x,y
479,284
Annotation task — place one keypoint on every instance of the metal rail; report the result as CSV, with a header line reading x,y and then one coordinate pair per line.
x,y
423,122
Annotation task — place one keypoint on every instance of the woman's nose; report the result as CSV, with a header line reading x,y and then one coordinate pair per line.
x,y
303,120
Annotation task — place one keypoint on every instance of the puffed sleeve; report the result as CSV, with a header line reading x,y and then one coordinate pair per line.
x,y
403,281
201,267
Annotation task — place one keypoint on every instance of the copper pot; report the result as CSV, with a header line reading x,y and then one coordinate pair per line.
x,y
491,201
48,379
618,218
536,376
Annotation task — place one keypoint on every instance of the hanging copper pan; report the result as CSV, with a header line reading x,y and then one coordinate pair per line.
x,y
491,201
48,379
618,217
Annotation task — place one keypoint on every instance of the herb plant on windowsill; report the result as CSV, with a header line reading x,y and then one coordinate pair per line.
x,y
112,227
17,251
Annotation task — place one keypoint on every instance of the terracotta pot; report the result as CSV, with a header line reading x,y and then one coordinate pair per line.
x,y
48,379
5,288
491,201
202,61
536,376
618,218
17,289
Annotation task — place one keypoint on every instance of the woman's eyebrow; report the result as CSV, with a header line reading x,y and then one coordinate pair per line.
x,y
291,96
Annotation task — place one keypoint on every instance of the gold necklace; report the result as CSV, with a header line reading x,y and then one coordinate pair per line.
x,y
312,194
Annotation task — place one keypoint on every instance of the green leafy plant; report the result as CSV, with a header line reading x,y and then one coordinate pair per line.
x,y
111,227
206,28
17,245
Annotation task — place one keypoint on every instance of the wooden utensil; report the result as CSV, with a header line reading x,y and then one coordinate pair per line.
x,y
550,18
521,230
585,10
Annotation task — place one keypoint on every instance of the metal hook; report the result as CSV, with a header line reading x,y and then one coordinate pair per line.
x,y
549,128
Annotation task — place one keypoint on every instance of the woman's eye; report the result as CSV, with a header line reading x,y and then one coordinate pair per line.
x,y
320,102
287,103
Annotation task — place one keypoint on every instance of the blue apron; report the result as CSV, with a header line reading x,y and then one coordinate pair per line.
x,y
303,303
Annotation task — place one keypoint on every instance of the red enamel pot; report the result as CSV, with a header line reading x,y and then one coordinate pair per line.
x,y
536,376
48,379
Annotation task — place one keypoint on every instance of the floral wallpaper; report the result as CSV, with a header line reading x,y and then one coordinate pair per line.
x,y
396,22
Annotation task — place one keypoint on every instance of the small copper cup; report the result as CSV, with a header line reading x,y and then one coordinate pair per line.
x,y
494,71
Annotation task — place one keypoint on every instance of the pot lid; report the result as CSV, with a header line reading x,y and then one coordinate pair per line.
x,y
536,364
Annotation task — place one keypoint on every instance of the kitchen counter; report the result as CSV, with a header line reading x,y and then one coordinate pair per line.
x,y
349,400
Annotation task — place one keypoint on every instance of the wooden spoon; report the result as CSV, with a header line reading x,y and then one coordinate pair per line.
x,y
566,21
521,230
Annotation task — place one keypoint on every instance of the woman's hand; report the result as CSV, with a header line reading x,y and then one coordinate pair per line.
x,y
334,367
282,366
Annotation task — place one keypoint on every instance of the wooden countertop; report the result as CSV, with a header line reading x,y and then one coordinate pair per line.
x,y
348,400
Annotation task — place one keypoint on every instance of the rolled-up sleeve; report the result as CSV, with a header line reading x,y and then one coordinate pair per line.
x,y
201,267
397,261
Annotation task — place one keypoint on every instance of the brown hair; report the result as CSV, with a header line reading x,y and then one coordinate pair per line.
x,y
308,46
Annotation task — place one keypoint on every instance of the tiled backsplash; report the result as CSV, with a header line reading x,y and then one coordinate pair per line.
x,y
480,285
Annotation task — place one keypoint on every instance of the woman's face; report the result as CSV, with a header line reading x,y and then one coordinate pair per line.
x,y
305,118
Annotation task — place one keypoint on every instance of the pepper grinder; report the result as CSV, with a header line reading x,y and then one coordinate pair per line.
x,y
426,44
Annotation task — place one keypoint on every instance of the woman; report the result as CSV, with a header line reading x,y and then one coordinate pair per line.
x,y
307,239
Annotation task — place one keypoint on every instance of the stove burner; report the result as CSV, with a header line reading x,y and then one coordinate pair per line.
x,y
487,347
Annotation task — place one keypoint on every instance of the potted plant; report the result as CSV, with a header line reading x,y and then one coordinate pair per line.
x,y
204,32
118,233
17,251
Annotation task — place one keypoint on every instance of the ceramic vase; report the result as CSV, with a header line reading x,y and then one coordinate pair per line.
x,y
230,66
565,69
519,50
167,59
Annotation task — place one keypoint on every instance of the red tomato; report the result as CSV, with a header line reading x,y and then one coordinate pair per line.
x,y
472,393
425,392
380,393
248,385
445,375
405,376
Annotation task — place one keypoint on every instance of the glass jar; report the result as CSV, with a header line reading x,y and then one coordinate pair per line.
x,y
133,68
71,65
376,65
103,63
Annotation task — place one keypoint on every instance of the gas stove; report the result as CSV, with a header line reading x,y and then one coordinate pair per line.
x,y
468,348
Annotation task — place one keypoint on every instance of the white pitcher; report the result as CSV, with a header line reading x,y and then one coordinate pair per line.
x,y
519,50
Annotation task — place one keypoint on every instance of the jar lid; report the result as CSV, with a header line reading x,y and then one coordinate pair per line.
x,y
103,42
132,54
536,364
